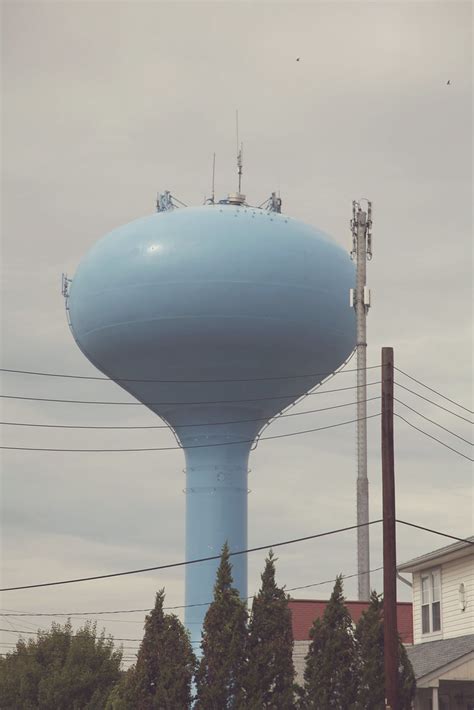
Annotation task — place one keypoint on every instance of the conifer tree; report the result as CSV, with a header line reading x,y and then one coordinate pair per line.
x,y
370,639
270,672
162,675
330,673
221,671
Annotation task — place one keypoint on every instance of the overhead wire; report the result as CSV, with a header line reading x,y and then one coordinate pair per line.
x,y
432,421
185,563
251,379
422,431
190,446
165,381
237,421
22,632
25,623
79,614
38,633
166,426
423,384
440,406
172,404
231,554
467,541
175,607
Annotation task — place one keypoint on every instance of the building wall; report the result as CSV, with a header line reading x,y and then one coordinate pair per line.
x,y
451,695
463,672
454,622
305,611
300,649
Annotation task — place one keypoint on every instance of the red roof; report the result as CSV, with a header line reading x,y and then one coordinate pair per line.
x,y
305,611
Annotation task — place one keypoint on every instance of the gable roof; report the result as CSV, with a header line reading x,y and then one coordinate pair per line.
x,y
457,549
433,655
305,611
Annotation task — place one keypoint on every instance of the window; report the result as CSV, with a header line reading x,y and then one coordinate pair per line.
x,y
430,601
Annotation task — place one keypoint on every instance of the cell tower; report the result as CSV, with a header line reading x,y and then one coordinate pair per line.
x,y
361,227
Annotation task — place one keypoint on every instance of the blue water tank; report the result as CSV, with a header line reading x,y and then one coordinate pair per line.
x,y
223,312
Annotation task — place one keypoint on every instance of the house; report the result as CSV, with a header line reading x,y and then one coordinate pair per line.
x,y
442,654
305,611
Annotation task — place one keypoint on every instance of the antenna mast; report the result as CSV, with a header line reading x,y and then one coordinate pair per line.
x,y
213,198
361,226
239,152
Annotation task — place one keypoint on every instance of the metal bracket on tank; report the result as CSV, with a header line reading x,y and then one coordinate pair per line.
x,y
65,286
65,283
165,202
272,204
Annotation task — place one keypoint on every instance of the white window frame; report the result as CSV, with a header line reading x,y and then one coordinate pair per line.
x,y
430,596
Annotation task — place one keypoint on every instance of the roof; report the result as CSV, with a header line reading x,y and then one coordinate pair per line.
x,y
305,611
434,655
457,549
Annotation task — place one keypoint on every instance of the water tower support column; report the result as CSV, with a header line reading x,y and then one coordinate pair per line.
x,y
216,512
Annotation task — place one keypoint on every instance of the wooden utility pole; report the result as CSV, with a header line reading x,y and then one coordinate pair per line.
x,y
389,544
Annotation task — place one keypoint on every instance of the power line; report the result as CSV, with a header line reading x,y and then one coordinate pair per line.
x,y
179,606
253,379
445,409
328,581
239,552
126,379
433,390
433,422
166,426
192,446
436,532
153,404
433,437
188,562
125,657
38,633
33,633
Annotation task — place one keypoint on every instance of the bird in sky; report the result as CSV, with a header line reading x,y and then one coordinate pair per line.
x,y
448,83
297,59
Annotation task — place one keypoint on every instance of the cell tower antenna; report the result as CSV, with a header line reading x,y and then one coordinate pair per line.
x,y
240,149
361,228
213,193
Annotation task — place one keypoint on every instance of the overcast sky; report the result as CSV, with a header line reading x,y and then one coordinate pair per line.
x,y
106,103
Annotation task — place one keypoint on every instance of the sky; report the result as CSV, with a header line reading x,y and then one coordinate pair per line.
x,y
106,103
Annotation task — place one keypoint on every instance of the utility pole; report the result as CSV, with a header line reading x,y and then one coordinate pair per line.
x,y
361,226
389,540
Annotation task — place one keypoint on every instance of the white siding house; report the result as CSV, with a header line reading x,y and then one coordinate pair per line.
x,y
438,587
443,627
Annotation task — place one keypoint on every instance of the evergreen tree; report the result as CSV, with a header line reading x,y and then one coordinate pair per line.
x,y
161,678
370,639
60,669
221,671
330,673
120,697
270,672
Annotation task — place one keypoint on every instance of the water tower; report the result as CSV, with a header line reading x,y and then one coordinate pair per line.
x,y
213,317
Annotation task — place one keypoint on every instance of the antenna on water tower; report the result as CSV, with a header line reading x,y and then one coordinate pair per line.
x,y
236,198
240,148
361,228
213,198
